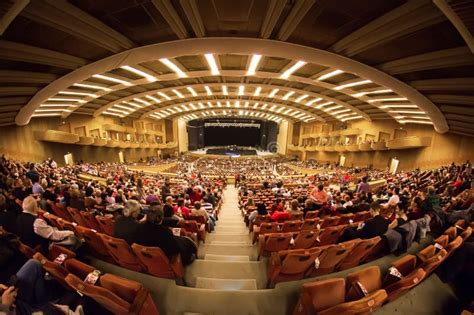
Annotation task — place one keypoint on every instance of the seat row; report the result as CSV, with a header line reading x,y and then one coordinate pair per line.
x,y
365,291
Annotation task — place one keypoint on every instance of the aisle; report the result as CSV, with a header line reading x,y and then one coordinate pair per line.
x,y
227,261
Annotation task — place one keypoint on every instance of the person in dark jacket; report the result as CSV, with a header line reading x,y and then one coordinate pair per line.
x,y
126,225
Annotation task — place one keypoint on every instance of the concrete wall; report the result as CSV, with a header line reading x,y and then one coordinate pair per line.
x,y
182,136
444,148
282,138
19,143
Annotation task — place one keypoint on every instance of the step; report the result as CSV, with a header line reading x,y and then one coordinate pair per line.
x,y
219,242
226,257
226,284
223,236
235,230
229,249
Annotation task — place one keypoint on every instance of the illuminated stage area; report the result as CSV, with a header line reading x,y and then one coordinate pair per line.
x,y
232,151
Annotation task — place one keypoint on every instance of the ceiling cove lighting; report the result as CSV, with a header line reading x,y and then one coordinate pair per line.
x,y
118,111
390,99
173,67
191,90
329,75
324,104
164,95
253,64
124,107
211,61
142,101
257,91
409,121
241,90
399,106
371,92
302,97
201,105
210,105
343,86
287,95
178,93
246,104
192,106
264,105
76,93
340,111
219,104
112,79
208,90
46,115
147,76
133,104
332,108
227,103
344,115
237,104
224,90
154,99
92,86
314,100
58,105
406,112
52,110
113,114
255,105
350,118
273,92
66,99
185,107
293,68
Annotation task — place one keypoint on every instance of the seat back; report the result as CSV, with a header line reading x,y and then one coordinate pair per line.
x,y
368,304
370,278
329,221
466,233
405,265
57,271
310,224
298,262
306,239
76,215
291,226
434,261
92,223
268,227
311,214
53,220
453,245
106,224
121,252
157,263
320,295
442,240
278,241
330,257
78,268
361,250
451,233
60,211
402,286
297,216
94,242
346,218
190,226
330,235
362,216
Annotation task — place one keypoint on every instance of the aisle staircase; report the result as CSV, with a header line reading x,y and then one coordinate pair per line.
x,y
227,261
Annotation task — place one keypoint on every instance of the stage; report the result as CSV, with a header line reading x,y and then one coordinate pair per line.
x,y
232,151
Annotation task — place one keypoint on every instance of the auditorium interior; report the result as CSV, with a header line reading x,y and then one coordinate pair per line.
x,y
207,157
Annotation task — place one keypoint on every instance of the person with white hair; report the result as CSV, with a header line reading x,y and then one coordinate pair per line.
x,y
126,225
33,229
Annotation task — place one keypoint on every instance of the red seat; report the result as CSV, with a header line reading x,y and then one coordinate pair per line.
x,y
453,245
291,226
346,218
362,216
91,221
310,224
330,235
265,228
442,240
76,215
121,252
288,265
158,264
273,242
194,227
60,211
94,243
297,216
330,257
329,221
368,279
361,250
306,239
402,276
311,214
259,219
106,224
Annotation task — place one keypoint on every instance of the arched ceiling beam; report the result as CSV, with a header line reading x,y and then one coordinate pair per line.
x,y
265,115
297,13
243,46
277,107
273,12
11,9
284,89
171,16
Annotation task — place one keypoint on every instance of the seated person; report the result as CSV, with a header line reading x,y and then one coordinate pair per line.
x,y
126,225
197,210
181,210
280,215
376,226
170,219
33,230
294,208
261,210
153,233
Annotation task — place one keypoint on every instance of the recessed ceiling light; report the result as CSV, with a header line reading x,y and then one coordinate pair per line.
x,y
92,86
293,68
190,89
147,76
253,64
112,79
173,67
212,64
329,75
351,84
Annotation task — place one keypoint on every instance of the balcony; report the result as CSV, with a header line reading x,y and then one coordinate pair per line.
x,y
99,142
365,146
409,142
351,132
352,147
340,148
124,144
85,140
379,146
335,133
330,148
56,136
112,143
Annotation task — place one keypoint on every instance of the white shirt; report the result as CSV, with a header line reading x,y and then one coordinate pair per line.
x,y
47,231
393,201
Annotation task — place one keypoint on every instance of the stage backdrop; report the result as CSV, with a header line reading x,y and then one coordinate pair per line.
x,y
201,135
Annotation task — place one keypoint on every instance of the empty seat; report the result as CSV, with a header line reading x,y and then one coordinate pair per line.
x,y
116,294
305,239
264,228
60,211
328,297
311,214
362,216
200,219
78,268
330,235
273,242
158,264
94,243
194,227
76,215
363,281
291,226
288,265
442,240
53,220
310,224
121,252
431,257
451,233
106,224
259,219
329,221
361,250
346,218
453,245
297,216
330,257
91,221
466,233
402,276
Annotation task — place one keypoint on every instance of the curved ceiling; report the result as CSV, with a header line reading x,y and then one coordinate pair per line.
x,y
343,61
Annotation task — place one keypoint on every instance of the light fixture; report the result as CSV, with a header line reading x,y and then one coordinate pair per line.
x,y
212,64
257,91
246,104
147,76
241,90
118,111
237,104
224,90
340,111
314,100
124,107
293,68
332,108
192,106
46,115
329,75
173,67
219,104
201,105
154,99
253,64
350,118
324,104
178,93
351,84
142,101
273,92
302,97
415,122
371,92
210,105
52,110
185,107
390,99
164,95
58,105
66,99
190,89
112,79
287,95
132,104
113,114
92,86
399,106
264,106
76,93
255,105
208,90
406,112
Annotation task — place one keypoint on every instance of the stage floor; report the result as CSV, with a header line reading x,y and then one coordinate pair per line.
x,y
225,151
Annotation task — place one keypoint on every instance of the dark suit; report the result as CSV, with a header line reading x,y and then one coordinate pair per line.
x,y
377,226
126,228
157,235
